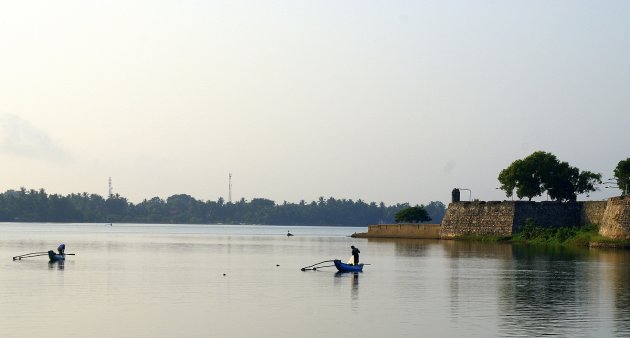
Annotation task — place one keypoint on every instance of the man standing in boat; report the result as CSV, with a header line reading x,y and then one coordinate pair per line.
x,y
61,248
355,254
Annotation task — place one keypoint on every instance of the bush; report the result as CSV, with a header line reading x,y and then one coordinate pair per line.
x,y
535,234
530,231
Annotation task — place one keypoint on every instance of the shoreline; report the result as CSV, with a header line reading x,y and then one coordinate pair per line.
x,y
585,236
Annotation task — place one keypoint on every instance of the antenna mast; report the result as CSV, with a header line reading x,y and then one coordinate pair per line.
x,y
110,187
230,188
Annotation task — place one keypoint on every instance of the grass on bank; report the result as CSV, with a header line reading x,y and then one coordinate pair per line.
x,y
534,234
537,235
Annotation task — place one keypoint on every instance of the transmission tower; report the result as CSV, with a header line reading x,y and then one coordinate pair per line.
x,y
110,187
230,188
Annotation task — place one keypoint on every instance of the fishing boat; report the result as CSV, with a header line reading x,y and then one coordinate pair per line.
x,y
55,257
343,267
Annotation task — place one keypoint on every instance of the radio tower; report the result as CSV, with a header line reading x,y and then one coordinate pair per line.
x,y
230,188
110,187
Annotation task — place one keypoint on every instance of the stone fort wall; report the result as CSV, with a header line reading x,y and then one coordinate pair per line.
x,y
478,218
616,219
508,217
593,212
402,230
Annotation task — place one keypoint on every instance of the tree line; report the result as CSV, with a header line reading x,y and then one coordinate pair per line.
x,y
38,206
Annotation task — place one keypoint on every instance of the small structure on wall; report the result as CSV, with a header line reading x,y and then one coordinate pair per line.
x,y
455,195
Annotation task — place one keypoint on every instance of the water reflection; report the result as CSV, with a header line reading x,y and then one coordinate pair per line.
x,y
617,273
543,288
175,281
534,291
57,264
473,273
468,249
355,288
408,247
353,278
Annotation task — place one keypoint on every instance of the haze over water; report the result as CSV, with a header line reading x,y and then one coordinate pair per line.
x,y
168,281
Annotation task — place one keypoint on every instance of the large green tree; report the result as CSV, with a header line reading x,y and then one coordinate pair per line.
x,y
622,174
542,172
413,215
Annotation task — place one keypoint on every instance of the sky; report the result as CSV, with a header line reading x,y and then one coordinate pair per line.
x,y
385,101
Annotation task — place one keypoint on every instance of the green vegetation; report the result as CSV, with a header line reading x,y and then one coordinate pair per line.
x,y
568,236
622,174
534,234
542,171
38,206
412,215
565,236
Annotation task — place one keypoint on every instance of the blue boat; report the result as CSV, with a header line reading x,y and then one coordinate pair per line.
x,y
55,257
343,267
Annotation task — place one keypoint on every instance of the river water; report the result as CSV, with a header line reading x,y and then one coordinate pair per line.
x,y
245,281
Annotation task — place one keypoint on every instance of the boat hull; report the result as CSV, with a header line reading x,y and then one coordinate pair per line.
x,y
55,257
343,267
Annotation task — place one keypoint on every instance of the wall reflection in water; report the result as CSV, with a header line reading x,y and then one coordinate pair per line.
x,y
543,289
536,291
615,269
408,247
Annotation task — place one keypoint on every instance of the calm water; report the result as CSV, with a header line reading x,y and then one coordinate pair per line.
x,y
168,281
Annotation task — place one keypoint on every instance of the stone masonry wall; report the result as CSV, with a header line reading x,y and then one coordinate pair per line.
x,y
546,214
616,220
478,218
592,212
403,230
509,217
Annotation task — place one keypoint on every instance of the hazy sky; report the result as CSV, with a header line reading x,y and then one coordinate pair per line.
x,y
393,101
